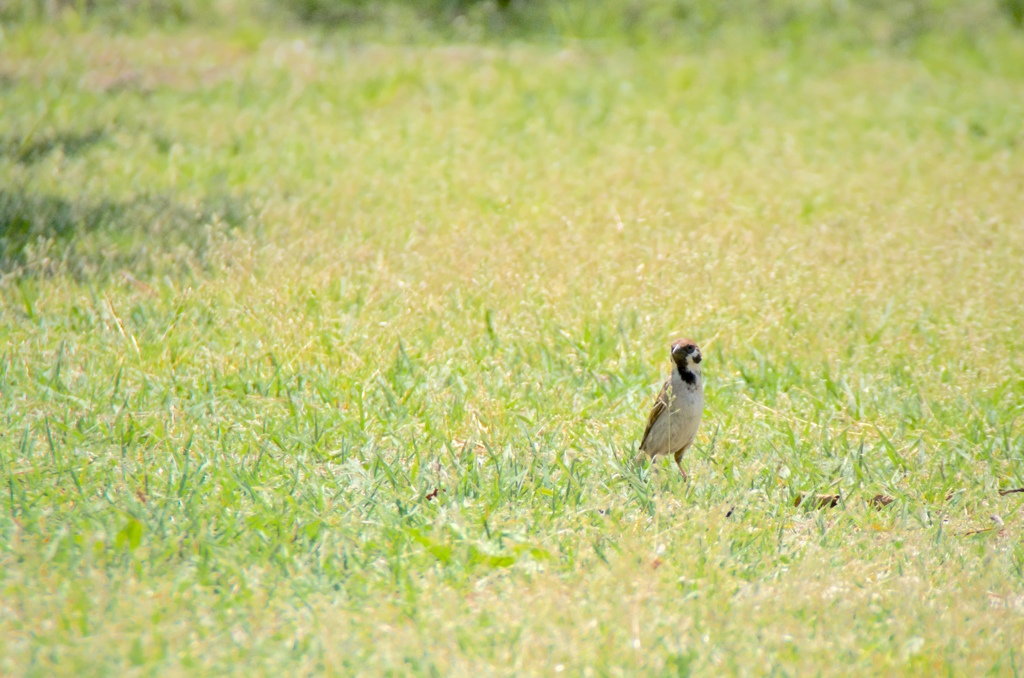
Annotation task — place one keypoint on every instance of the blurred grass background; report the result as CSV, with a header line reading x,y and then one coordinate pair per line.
x,y
633,21
329,328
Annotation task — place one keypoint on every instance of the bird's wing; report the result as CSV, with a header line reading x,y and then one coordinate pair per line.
x,y
660,405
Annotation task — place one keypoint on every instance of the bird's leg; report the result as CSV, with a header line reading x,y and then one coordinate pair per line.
x,y
679,463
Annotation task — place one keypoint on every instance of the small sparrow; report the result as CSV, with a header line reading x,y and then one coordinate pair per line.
x,y
675,418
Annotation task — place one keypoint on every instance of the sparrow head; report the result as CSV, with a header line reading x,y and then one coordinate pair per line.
x,y
686,355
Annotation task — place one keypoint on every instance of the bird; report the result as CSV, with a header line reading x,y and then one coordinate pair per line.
x,y
675,417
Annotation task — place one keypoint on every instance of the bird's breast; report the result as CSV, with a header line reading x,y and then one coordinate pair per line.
x,y
678,424
686,396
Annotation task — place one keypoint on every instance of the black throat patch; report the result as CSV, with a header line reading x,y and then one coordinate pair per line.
x,y
685,373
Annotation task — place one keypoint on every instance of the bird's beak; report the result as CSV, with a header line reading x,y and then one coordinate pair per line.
x,y
679,352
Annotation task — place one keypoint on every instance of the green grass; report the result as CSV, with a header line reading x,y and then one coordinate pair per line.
x,y
321,355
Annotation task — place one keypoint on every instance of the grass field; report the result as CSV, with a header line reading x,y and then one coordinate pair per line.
x,y
324,354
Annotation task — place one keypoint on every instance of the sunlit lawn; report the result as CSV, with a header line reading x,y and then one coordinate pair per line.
x,y
334,355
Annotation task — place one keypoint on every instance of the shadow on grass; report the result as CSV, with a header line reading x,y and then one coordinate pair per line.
x,y
151,234
893,23
28,150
